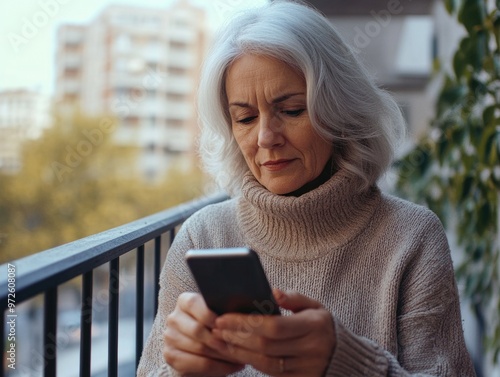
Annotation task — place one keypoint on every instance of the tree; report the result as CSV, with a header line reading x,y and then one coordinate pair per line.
x,y
455,169
75,181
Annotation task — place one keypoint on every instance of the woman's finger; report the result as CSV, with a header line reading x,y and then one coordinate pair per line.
x,y
184,323
194,304
177,340
294,301
280,365
194,365
315,335
298,325
229,339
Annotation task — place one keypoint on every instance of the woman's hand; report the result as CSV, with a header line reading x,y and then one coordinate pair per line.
x,y
188,343
300,344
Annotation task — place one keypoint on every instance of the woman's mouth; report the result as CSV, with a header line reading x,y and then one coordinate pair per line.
x,y
276,165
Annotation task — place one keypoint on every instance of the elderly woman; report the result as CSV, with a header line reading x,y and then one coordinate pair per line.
x,y
298,134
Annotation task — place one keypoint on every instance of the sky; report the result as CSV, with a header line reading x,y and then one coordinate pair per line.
x,y
28,29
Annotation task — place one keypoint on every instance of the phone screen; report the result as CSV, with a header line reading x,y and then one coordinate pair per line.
x,y
232,280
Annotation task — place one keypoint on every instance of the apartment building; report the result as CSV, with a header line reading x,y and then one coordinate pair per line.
x,y
399,40
24,114
141,66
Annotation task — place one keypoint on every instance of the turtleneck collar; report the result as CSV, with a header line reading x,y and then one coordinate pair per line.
x,y
307,226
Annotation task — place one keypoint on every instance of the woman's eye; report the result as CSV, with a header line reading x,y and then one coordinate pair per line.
x,y
246,120
294,113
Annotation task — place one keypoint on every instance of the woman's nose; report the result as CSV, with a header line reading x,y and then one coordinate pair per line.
x,y
270,133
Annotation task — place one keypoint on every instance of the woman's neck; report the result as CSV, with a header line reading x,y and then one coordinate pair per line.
x,y
324,176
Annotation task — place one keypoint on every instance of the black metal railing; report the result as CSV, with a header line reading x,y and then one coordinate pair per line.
x,y
44,272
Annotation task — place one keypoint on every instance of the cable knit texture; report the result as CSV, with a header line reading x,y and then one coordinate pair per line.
x,y
379,264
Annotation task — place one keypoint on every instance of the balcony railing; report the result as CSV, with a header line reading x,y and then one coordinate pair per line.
x,y
44,272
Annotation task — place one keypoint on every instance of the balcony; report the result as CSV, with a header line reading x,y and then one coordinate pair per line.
x,y
357,7
45,272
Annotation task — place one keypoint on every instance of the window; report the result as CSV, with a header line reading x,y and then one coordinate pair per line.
x,y
174,122
178,45
171,96
176,71
71,72
122,42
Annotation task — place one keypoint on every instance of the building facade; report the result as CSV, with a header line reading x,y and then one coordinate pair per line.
x,y
140,66
24,114
384,35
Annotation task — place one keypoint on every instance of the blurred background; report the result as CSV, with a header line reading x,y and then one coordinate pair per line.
x,y
98,127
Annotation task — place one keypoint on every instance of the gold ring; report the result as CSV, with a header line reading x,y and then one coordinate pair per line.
x,y
282,365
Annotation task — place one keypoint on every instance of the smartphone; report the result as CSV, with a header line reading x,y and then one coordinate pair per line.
x,y
232,280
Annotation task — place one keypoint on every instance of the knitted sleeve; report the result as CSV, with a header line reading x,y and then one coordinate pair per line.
x,y
429,329
173,281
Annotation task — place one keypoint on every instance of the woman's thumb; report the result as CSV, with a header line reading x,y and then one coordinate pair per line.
x,y
294,301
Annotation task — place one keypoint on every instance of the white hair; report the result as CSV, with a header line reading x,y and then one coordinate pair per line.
x,y
346,107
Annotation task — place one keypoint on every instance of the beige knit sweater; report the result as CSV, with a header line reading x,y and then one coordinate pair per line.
x,y
381,265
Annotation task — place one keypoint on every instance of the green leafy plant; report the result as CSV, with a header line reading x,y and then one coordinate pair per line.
x,y
455,168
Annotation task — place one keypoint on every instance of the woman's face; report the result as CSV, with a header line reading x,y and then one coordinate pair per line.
x,y
271,124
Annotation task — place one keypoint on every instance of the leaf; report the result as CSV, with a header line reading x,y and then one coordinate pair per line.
x,y
478,49
478,88
472,14
478,253
489,115
451,97
466,187
459,64
496,27
496,61
442,148
469,162
495,151
496,181
496,14
485,218
487,147
472,52
458,135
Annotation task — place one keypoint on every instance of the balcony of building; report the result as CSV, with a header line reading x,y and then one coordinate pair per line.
x,y
100,335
